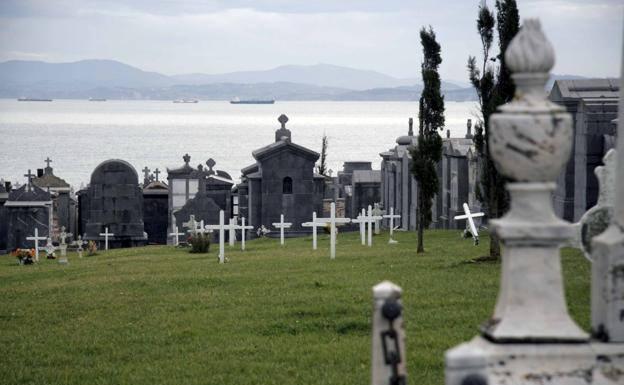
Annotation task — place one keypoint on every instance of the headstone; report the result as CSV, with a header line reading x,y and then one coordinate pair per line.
x,y
192,225
388,364
115,201
244,229
369,219
470,225
531,337
281,225
36,238
314,224
392,216
361,220
221,227
176,235
598,218
79,243
106,235
332,221
63,244
378,212
49,249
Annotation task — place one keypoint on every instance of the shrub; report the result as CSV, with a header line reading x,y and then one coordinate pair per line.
x,y
200,243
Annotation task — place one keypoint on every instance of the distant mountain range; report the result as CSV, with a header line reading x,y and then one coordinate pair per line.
x,y
114,80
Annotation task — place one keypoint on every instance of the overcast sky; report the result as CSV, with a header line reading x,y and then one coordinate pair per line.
x,y
214,36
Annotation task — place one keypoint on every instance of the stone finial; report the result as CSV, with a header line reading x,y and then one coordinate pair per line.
x,y
156,173
283,119
448,134
30,177
410,123
210,163
530,51
187,158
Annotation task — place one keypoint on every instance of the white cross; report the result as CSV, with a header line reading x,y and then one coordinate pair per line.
x,y
392,217
106,234
176,235
36,238
243,231
79,242
471,225
362,221
314,224
370,219
332,220
221,227
191,225
233,227
282,225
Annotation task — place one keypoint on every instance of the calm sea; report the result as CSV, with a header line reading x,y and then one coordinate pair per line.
x,y
78,134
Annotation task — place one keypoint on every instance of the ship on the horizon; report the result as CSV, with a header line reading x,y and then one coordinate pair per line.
x,y
252,101
97,99
33,100
186,101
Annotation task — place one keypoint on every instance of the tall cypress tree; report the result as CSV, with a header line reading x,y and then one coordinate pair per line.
x,y
494,87
428,151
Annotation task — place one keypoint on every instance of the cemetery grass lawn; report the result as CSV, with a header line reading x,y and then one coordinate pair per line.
x,y
271,315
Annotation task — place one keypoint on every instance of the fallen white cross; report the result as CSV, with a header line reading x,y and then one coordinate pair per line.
x,y
470,228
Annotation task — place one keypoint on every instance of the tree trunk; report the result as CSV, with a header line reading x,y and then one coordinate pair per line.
x,y
494,213
421,228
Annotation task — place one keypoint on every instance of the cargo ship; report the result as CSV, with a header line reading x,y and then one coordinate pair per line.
x,y
97,99
252,101
33,100
186,101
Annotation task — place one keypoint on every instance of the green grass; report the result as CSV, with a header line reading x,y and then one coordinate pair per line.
x,y
271,315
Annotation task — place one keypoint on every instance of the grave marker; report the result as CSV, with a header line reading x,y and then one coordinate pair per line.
x,y
79,242
471,227
369,220
244,229
176,235
106,234
361,219
314,224
332,221
36,238
392,216
282,225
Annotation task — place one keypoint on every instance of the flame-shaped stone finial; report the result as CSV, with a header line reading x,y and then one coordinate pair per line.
x,y
530,51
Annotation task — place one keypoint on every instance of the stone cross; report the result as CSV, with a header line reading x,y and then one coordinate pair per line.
x,y
30,177
36,238
388,348
106,234
244,229
146,173
186,158
210,163
314,225
332,221
471,227
62,244
232,235
369,219
221,227
48,161
378,212
49,247
392,216
157,172
607,290
79,242
176,236
282,225
361,219
283,119
191,225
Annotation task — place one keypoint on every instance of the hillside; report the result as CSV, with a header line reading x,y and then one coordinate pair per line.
x,y
271,315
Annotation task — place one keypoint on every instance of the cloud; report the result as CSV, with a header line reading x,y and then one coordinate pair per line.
x,y
221,36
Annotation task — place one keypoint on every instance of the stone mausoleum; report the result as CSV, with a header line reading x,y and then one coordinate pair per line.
x,y
281,181
114,200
